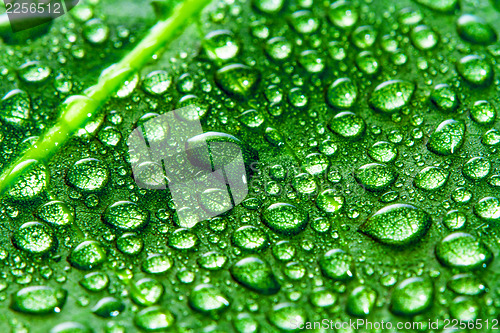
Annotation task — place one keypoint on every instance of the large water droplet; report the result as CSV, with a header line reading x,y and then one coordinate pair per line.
x,y
256,275
96,31
488,209
238,80
375,176
34,237
475,30
447,138
361,301
397,224
285,219
221,45
87,255
343,14
342,93
391,96
475,70
348,125
431,178
88,175
126,216
444,97
338,265
476,168
208,299
39,300
250,238
412,296
463,251
15,107
154,319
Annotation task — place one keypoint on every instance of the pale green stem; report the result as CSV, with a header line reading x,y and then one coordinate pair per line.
x,y
77,110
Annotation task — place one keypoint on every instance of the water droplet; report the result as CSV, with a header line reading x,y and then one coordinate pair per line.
x,y
410,17
304,22
444,97
461,195
391,96
375,176
183,239
212,261
34,238
268,6
256,275
279,48
491,138
336,264
476,168
39,300
342,93
157,83
95,281
287,317
146,292
126,216
88,175
130,244
463,251
443,6
221,45
156,264
474,70
154,319
207,299
424,38
447,138
383,152
15,107
467,284
464,309
312,61
243,323
87,255
475,30
343,14
454,220
315,164
412,296
330,202
348,125
238,80
32,183
397,224
294,271
483,112
323,298
488,209
108,307
56,213
361,301
285,219
431,178
364,37
251,118
367,63
34,72
96,31
250,238
284,251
